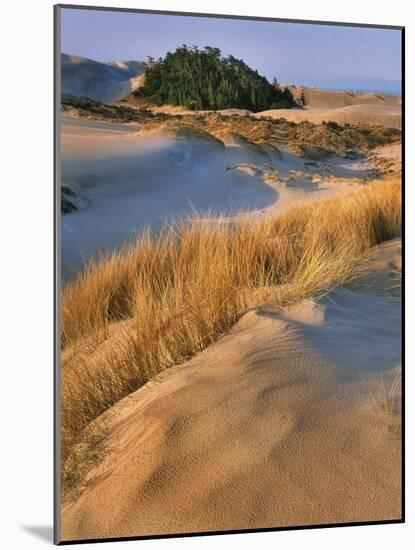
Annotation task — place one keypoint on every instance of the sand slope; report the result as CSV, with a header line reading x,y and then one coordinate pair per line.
x,y
373,115
125,181
103,82
316,98
274,425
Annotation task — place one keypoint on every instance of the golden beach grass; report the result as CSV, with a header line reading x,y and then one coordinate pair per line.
x,y
179,291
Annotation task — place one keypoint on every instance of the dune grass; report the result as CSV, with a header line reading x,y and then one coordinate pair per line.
x,y
156,303
389,396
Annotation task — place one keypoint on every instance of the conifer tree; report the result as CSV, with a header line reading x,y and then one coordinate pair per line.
x,y
203,79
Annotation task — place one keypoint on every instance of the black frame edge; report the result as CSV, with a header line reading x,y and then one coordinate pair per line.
x,y
56,277
227,16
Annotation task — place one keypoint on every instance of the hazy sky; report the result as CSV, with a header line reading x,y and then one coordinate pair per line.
x,y
314,55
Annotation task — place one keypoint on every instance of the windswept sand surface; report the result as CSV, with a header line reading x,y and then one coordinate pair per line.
x,y
124,182
373,115
279,423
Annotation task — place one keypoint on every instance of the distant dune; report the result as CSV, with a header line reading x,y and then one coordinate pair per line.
x,y
331,99
322,105
344,107
114,81
370,114
104,82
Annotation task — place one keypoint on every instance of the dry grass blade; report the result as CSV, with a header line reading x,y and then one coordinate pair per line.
x,y
176,293
388,398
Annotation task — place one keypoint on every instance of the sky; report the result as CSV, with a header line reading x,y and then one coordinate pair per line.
x,y
324,56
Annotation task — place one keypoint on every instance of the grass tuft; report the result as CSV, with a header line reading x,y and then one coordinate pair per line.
x,y
158,302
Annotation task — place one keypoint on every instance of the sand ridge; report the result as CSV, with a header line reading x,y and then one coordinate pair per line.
x,y
270,426
389,116
332,99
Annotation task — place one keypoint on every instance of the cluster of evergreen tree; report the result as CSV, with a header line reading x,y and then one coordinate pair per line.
x,y
203,79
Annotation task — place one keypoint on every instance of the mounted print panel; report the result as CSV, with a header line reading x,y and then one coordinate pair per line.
x,y
228,244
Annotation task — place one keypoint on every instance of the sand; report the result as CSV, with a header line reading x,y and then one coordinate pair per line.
x,y
279,423
124,181
322,105
387,159
377,114
103,82
372,115
332,99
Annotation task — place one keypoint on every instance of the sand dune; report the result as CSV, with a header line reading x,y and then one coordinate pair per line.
x,y
340,106
123,181
130,181
103,82
279,423
373,115
379,114
317,98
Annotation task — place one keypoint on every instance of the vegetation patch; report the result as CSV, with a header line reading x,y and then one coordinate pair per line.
x,y
304,138
203,79
186,132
